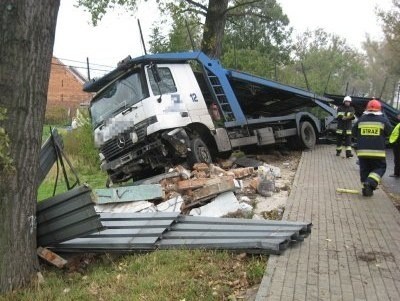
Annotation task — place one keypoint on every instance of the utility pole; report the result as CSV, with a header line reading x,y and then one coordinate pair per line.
x,y
398,96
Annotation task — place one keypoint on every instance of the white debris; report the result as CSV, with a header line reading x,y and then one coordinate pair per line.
x,y
172,205
223,204
245,207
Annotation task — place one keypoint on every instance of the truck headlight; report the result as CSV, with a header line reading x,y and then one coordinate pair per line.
x,y
134,137
98,139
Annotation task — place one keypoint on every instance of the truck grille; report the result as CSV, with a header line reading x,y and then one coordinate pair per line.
x,y
123,143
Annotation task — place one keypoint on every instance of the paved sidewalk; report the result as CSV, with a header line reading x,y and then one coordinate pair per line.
x,y
353,252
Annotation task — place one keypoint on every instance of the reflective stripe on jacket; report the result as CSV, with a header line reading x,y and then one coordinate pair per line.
x,y
371,131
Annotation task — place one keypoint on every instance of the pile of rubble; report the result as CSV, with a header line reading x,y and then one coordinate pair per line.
x,y
235,187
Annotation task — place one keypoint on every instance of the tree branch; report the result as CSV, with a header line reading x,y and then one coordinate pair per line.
x,y
194,3
241,4
193,10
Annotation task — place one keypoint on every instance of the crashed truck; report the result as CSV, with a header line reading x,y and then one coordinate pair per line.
x,y
154,111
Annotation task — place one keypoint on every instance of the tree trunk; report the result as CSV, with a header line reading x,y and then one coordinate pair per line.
x,y
214,26
27,30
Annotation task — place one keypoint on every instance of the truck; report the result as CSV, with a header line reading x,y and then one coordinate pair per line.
x,y
158,110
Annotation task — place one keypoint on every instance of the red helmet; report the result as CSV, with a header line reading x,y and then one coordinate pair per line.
x,y
374,105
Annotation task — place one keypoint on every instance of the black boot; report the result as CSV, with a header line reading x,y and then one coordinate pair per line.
x,y
338,152
349,154
367,190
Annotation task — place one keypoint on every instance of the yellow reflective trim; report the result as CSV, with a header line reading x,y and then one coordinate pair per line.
x,y
375,176
340,113
348,148
371,153
339,148
339,132
348,132
371,124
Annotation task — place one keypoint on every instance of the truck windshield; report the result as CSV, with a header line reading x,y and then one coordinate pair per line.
x,y
121,94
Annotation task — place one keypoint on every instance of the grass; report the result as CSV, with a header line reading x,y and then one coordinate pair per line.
x,y
160,275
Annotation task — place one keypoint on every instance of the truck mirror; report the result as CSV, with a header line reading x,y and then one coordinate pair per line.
x,y
156,75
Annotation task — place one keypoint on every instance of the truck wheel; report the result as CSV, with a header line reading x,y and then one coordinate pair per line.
x,y
199,152
308,138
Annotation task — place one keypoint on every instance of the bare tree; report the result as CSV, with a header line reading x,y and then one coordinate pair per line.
x,y
27,30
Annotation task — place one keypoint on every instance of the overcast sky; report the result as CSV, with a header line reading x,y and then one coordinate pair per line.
x,y
117,35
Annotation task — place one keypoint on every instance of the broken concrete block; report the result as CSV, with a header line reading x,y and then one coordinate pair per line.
x,y
218,171
243,172
201,167
51,257
196,183
184,173
222,205
128,194
221,185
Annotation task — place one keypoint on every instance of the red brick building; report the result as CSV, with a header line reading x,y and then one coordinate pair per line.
x,y
65,92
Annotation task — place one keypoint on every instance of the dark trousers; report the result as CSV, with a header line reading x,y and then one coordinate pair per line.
x,y
342,137
372,170
396,155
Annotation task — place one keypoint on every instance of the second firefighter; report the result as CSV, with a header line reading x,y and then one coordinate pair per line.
x,y
345,115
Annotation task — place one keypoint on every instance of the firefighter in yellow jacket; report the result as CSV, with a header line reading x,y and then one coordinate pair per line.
x,y
345,115
394,140
371,130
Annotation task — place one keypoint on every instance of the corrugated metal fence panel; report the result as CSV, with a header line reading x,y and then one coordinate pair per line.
x,y
159,230
66,216
48,155
106,216
267,246
125,232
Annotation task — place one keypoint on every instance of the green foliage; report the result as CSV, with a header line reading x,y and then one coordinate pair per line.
x,y
261,27
178,37
391,30
98,8
5,158
251,61
79,145
326,61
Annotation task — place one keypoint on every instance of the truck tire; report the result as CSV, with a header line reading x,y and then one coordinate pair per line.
x,y
199,152
307,137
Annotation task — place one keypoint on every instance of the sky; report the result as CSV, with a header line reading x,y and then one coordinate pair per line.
x,y
118,35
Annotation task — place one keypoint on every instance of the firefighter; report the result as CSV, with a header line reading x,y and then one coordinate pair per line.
x,y
371,131
345,115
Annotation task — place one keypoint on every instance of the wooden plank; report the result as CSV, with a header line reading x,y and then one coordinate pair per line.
x,y
51,257
128,194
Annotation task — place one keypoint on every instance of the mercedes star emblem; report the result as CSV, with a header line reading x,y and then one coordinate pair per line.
x,y
121,142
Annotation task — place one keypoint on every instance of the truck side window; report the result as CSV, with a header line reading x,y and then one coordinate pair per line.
x,y
167,84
